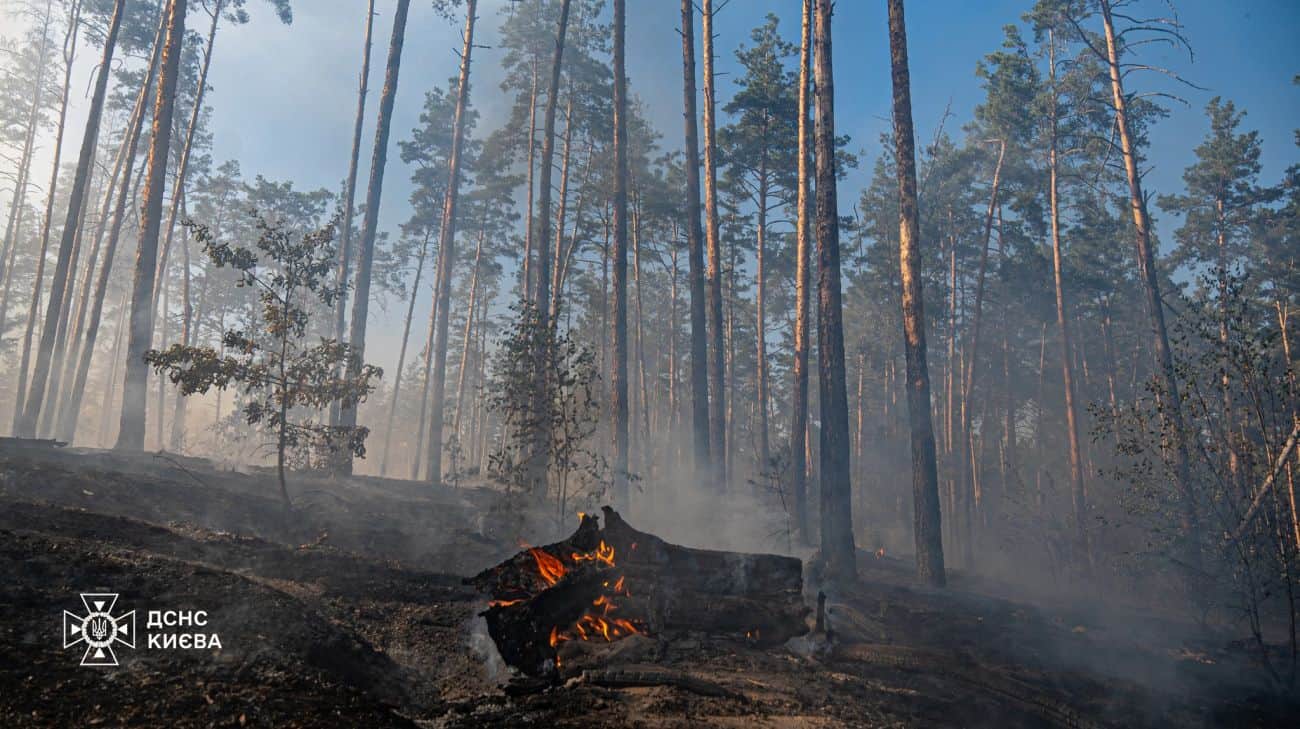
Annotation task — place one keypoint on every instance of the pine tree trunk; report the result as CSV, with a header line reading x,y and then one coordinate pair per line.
x,y
418,461
22,425
618,369
717,384
179,429
370,220
350,194
563,261
114,374
401,357
760,320
926,525
552,306
132,428
183,163
163,336
803,246
969,496
1077,488
1171,412
526,285
537,462
645,460
77,324
468,336
836,488
68,421
447,254
18,200
46,415
695,234
350,186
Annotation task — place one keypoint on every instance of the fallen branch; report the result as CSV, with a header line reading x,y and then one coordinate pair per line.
x,y
1267,486
634,678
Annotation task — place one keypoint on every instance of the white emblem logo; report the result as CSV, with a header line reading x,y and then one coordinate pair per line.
x,y
99,629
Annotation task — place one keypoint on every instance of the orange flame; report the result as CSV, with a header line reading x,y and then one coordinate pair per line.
x,y
548,566
603,553
597,622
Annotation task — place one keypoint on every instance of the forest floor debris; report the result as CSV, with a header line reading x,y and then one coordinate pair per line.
x,y
356,615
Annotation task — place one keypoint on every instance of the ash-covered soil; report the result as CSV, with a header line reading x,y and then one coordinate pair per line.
x,y
352,613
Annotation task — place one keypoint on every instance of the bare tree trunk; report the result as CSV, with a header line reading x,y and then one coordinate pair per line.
x,y
350,186
926,525
18,200
1077,488
803,245
968,491
183,163
557,262
644,461
48,411
526,286
760,318
1171,411
717,385
179,429
114,374
418,461
618,375
350,192
68,421
131,431
836,488
695,234
468,336
401,356
77,324
539,451
370,220
22,394
563,261
447,253
163,336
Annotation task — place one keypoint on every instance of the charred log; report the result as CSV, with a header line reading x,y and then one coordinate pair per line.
x,y
605,584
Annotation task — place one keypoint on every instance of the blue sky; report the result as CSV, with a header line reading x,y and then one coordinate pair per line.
x,y
284,97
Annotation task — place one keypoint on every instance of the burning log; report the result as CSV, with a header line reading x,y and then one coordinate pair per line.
x,y
605,584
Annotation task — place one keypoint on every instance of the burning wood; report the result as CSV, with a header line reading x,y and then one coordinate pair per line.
x,y
606,584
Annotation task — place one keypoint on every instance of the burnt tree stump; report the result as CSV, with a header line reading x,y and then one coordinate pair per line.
x,y
604,584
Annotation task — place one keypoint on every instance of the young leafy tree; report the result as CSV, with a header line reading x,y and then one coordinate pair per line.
x,y
273,366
